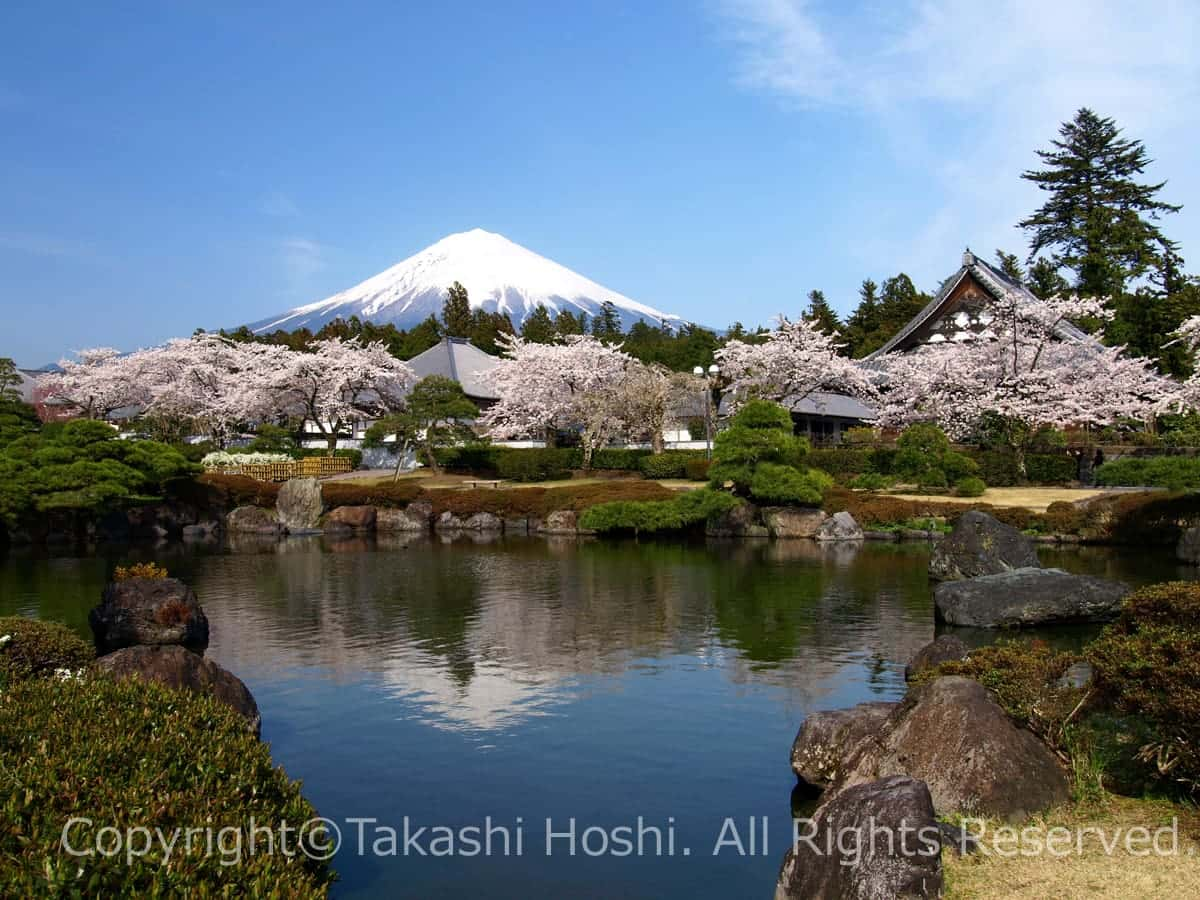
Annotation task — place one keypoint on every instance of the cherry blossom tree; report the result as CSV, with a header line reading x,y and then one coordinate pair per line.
x,y
338,381
95,384
1187,397
796,361
1027,371
217,383
569,384
648,398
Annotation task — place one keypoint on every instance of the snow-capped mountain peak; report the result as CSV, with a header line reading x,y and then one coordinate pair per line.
x,y
498,274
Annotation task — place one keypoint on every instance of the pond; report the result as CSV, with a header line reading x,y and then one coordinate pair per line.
x,y
531,679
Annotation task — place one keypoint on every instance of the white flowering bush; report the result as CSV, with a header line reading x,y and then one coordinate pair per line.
x,y
221,459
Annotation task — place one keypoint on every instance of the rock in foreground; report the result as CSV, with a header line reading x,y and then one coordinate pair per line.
x,y
827,740
148,611
883,842
1027,597
793,522
182,669
952,735
980,545
252,520
945,648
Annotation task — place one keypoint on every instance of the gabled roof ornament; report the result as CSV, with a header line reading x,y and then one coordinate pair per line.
x,y
968,258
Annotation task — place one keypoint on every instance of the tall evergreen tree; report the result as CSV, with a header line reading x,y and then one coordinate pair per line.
x,y
821,314
538,326
863,324
10,380
1010,265
1098,220
1045,281
567,322
607,325
456,312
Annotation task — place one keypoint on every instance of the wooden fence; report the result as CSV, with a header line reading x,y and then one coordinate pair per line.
x,y
309,467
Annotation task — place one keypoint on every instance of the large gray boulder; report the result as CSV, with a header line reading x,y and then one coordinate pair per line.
x,y
299,505
417,516
945,648
1028,597
839,527
952,735
875,841
561,521
179,668
980,545
793,522
252,520
484,521
1188,548
148,611
827,740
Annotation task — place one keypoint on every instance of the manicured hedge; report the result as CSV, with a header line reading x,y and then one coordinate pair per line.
x,y
548,464
618,459
970,487
840,461
1051,468
669,464
1175,472
129,754
679,513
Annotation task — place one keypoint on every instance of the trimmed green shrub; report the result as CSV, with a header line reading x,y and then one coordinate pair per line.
x,y
696,469
1051,468
545,464
649,516
872,481
473,459
1147,665
958,466
622,460
1173,472
932,480
30,648
670,464
759,456
129,754
839,461
774,483
882,460
997,467
970,487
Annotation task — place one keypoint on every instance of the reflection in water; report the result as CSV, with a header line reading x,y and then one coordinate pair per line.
x,y
450,679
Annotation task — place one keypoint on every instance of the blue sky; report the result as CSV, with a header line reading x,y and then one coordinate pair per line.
x,y
170,165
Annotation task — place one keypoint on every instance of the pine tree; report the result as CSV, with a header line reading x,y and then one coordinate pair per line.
x,y
821,313
1010,265
1098,221
567,323
1044,280
456,312
862,326
10,380
607,325
538,326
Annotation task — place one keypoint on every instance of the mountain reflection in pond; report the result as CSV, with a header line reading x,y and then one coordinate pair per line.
x,y
452,681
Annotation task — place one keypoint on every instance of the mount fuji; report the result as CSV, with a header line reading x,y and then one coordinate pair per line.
x,y
499,276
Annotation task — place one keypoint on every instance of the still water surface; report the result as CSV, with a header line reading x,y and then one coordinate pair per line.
x,y
534,679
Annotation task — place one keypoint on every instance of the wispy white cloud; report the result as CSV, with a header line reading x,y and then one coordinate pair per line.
x,y
966,90
301,259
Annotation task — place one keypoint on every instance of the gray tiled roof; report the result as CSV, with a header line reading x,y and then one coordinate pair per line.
x,y
993,280
461,360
